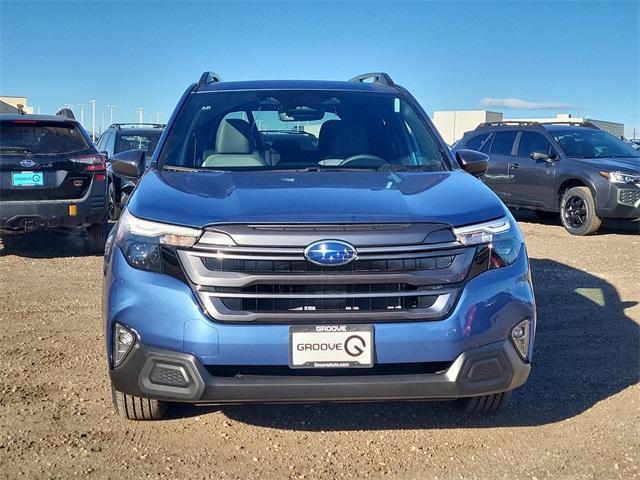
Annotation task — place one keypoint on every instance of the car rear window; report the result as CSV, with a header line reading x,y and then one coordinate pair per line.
x,y
140,141
502,143
41,138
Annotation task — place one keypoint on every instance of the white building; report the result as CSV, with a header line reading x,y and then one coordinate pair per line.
x,y
9,104
452,125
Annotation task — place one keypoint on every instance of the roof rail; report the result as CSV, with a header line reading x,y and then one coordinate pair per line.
x,y
65,112
507,123
209,77
528,123
376,77
571,122
120,125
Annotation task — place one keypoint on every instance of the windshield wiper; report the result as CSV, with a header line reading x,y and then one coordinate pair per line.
x,y
177,168
388,167
15,149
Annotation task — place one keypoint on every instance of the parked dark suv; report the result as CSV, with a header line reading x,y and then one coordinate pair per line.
x,y
51,176
120,137
575,169
306,241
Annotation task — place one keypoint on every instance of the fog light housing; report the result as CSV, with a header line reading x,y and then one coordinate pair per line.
x,y
520,335
123,341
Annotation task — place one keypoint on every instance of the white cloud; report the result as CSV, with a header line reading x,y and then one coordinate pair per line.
x,y
519,104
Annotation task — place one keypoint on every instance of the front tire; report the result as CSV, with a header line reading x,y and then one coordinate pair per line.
x,y
578,212
138,408
485,403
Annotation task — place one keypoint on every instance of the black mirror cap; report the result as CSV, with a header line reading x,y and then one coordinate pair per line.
x,y
128,164
473,162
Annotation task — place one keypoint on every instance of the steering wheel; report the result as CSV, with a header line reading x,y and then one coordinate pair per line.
x,y
363,159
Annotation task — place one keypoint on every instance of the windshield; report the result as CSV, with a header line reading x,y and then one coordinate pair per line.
x,y
262,130
140,141
40,138
585,143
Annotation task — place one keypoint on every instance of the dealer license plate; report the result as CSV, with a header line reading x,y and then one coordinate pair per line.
x,y
27,179
331,346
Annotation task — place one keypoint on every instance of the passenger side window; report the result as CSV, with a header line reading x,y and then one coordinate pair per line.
x,y
533,142
502,143
109,143
100,145
476,142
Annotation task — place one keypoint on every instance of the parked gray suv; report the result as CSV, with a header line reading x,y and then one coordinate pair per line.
x,y
575,169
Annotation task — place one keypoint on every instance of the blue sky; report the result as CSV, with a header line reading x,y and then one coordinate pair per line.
x,y
577,57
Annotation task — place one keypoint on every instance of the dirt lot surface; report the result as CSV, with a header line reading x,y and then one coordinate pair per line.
x,y
577,417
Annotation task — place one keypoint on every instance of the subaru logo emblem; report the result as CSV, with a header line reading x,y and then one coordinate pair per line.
x,y
27,163
330,253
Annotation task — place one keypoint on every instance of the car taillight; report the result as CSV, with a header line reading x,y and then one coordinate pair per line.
x,y
92,163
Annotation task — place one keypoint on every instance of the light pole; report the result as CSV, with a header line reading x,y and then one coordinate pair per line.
x,y
111,108
140,114
81,105
158,117
93,118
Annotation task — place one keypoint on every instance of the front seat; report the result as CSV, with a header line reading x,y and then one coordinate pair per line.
x,y
349,138
234,146
326,136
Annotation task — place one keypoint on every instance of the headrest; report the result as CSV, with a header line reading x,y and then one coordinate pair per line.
x,y
325,137
350,138
234,136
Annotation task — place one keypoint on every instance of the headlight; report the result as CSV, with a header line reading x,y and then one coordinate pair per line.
x,y
502,237
621,177
140,240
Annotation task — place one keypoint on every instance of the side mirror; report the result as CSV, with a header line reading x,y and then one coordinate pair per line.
x,y
105,153
128,164
545,157
475,163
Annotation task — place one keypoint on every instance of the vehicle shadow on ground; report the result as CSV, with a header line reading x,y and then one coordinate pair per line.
x,y
45,244
609,226
587,349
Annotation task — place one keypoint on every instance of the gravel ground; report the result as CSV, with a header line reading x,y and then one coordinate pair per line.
x,y
577,417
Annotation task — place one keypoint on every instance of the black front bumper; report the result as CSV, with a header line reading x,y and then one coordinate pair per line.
x,y
179,377
623,203
23,216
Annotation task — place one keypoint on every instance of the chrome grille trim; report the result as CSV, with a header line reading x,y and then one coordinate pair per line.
x,y
297,253
233,282
199,274
411,293
216,309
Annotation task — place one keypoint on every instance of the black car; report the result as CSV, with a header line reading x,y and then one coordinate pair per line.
x,y
51,176
574,169
120,137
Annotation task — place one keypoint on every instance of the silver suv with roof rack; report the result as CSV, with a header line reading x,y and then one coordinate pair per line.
x,y
569,168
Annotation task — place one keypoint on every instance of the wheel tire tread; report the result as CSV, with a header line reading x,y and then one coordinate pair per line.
x,y
486,403
592,222
137,408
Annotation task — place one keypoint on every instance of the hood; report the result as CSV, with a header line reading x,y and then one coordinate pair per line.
x,y
199,199
627,165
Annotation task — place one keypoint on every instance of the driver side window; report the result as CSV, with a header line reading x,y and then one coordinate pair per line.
x,y
531,142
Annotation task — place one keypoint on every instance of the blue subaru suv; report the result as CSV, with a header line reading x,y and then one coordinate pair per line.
x,y
309,241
